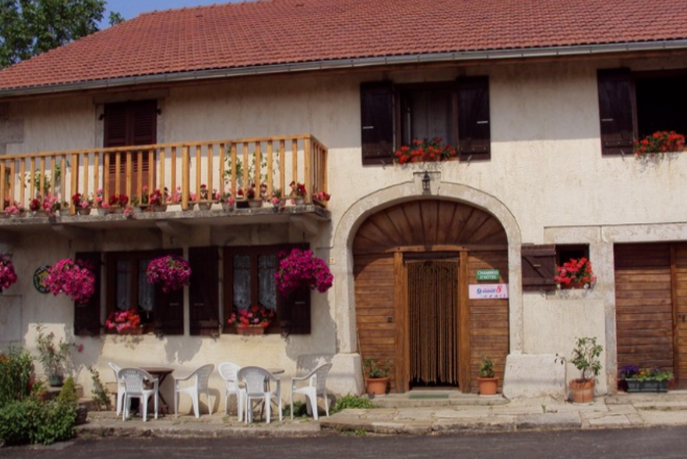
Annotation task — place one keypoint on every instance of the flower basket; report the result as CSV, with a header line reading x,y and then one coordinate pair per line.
x,y
7,274
634,385
302,268
576,273
71,278
172,272
250,330
125,322
425,150
659,142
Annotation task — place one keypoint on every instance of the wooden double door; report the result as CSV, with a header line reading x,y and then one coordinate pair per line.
x,y
651,307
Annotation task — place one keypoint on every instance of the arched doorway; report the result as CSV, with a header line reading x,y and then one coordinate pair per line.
x,y
413,264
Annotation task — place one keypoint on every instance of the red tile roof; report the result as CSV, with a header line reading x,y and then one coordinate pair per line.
x,y
248,34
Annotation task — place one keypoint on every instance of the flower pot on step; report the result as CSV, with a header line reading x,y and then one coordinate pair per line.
x,y
376,386
582,391
488,386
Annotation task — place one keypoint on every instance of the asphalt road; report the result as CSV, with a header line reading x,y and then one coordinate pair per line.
x,y
655,443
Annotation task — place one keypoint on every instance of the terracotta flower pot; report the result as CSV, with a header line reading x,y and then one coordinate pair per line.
x,y
488,386
251,330
582,390
376,386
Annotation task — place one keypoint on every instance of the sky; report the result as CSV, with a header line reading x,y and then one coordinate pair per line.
x,y
132,8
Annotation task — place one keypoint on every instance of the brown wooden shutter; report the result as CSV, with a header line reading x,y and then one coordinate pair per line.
x,y
116,121
144,116
377,120
87,316
538,267
169,309
294,312
204,297
474,132
615,111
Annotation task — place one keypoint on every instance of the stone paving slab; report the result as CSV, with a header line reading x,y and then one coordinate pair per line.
x,y
548,421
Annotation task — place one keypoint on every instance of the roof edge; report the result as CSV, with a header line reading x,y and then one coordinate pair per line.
x,y
200,75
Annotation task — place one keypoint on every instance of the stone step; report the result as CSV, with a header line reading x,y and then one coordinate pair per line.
x,y
419,399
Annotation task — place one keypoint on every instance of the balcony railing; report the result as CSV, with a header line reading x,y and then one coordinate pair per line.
x,y
269,164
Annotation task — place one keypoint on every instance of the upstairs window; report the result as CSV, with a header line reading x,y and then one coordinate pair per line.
x,y
633,105
394,115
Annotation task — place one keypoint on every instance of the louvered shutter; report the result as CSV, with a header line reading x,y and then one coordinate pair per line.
x,y
116,122
615,111
87,316
204,295
294,312
474,132
538,267
377,120
169,309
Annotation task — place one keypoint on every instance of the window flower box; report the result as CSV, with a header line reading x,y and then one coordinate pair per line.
x,y
650,385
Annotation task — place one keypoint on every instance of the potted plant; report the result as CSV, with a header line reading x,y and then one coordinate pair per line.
x,y
425,150
646,379
322,198
576,273
73,278
159,198
126,322
172,272
657,143
376,377
586,359
252,196
252,320
487,379
82,203
301,268
53,355
69,395
7,274
227,200
51,205
298,193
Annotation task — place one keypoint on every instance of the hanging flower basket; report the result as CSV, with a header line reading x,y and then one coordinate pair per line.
x,y
171,271
71,278
7,274
301,268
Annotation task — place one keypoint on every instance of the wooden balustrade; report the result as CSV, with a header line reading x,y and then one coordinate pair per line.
x,y
268,164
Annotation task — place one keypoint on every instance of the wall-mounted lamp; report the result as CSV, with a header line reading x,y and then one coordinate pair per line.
x,y
425,181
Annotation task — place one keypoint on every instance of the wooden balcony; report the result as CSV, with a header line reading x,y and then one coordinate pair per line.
x,y
270,165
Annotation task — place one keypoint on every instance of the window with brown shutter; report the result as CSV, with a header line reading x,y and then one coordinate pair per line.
x,y
538,267
377,119
87,316
127,124
204,296
127,287
474,131
615,111
249,279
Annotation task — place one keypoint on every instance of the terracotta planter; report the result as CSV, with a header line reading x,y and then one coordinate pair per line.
x,y
582,391
376,386
251,330
488,386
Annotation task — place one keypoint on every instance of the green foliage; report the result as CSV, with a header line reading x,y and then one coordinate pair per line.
x,y
115,18
53,356
300,410
31,27
375,370
32,421
586,357
486,370
16,375
68,392
353,402
101,395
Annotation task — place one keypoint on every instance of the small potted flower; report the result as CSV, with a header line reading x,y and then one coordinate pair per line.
x,y
14,210
118,203
7,274
159,199
126,322
53,355
576,273
172,272
35,206
227,200
101,204
376,377
254,200
252,320
487,380
207,198
82,203
51,205
322,197
75,279
298,193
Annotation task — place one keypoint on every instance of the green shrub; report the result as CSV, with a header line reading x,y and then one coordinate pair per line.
x,y
101,395
33,421
351,401
16,375
68,392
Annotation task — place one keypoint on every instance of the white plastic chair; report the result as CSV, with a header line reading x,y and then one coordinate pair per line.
x,y
200,379
229,372
134,380
317,380
258,383
120,386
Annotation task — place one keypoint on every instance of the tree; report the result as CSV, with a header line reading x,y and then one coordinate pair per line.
x,y
31,27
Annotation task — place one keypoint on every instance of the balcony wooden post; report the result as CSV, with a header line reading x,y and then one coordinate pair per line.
x,y
307,168
185,175
282,167
75,178
162,173
198,171
2,185
22,174
209,169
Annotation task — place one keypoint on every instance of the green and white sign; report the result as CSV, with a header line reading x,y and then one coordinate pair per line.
x,y
488,275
